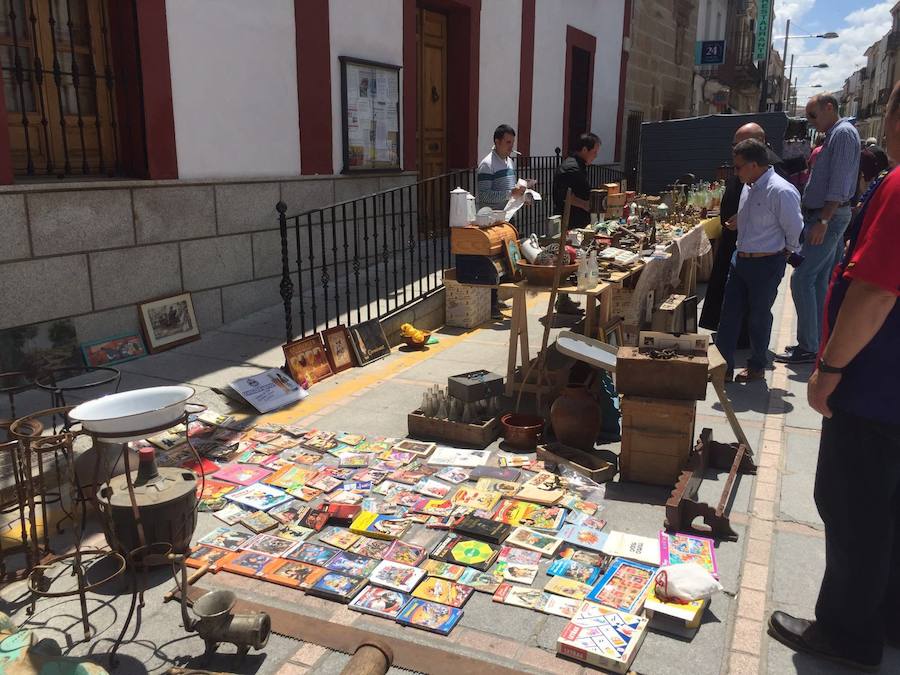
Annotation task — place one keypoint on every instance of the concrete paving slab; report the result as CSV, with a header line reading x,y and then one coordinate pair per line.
x,y
252,350
517,623
192,368
803,416
798,479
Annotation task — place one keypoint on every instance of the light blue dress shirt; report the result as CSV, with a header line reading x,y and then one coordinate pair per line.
x,y
770,219
836,171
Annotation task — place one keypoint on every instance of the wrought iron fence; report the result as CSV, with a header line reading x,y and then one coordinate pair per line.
x,y
59,86
369,257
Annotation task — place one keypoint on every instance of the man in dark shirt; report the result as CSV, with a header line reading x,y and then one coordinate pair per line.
x,y
571,174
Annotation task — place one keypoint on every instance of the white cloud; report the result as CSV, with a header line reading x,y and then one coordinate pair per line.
x,y
845,54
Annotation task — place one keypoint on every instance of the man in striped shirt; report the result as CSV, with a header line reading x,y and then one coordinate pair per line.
x,y
497,173
826,214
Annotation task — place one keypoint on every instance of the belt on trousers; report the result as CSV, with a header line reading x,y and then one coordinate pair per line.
x,y
809,209
742,254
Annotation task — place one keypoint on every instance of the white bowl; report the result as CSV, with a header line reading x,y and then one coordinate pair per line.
x,y
119,418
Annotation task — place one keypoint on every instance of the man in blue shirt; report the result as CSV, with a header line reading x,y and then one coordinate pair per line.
x,y
769,223
826,214
857,488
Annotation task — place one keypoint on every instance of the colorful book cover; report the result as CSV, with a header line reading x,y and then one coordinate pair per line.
x,y
397,576
686,615
590,558
231,514
344,497
432,488
585,520
214,489
575,570
382,602
543,488
289,476
518,596
315,519
270,545
412,473
342,514
500,473
680,548
602,637
247,563
304,493
483,528
379,526
289,512
352,565
568,588
504,487
225,537
293,574
444,456
485,582
259,521
558,605
371,548
417,448
460,550
443,591
453,474
353,460
206,555
516,572
443,570
402,552
338,587
624,586
338,537
585,537
434,507
431,616
633,547
350,439
520,556
259,497
475,499
295,532
324,482
397,456
519,513
314,554
533,540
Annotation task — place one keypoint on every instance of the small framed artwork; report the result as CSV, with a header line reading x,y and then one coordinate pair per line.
x,y
513,256
307,360
337,348
613,332
690,314
109,351
168,322
369,341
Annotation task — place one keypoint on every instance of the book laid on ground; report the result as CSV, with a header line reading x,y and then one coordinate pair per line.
x,y
379,526
461,550
382,602
568,568
396,576
633,547
431,616
293,574
338,587
269,390
483,528
676,618
677,548
443,591
602,637
624,586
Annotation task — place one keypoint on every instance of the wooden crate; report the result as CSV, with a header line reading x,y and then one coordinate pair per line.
x,y
478,435
657,437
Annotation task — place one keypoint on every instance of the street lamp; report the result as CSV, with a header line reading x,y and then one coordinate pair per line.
x,y
817,65
830,35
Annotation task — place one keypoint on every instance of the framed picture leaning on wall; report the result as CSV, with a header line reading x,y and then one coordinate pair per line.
x,y
337,348
168,322
307,360
369,341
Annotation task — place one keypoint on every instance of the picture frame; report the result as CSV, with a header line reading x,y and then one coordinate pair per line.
x,y
168,322
112,350
513,257
369,341
370,116
307,360
690,314
337,348
614,332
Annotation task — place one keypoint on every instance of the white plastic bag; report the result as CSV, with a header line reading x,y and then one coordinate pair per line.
x,y
685,582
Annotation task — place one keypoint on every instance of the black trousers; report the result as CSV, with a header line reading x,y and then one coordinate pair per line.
x,y
858,496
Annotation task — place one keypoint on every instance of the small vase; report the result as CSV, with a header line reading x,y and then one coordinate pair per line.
x,y
576,418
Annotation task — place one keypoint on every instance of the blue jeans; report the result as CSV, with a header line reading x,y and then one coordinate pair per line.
x,y
751,289
809,282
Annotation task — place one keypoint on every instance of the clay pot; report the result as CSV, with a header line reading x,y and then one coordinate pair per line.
x,y
521,432
576,418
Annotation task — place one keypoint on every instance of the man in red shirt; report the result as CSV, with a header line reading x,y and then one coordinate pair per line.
x,y
856,387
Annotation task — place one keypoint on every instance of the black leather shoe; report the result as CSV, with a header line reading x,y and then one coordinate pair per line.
x,y
803,636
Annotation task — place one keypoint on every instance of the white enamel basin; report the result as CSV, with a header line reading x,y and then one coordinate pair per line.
x,y
117,417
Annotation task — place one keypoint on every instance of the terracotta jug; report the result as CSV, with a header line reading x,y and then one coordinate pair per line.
x,y
576,418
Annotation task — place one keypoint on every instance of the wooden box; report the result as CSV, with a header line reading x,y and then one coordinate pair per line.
x,y
478,435
474,240
669,318
657,437
613,200
611,188
586,463
476,385
682,377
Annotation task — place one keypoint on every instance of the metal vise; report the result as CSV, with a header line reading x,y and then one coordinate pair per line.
x,y
216,623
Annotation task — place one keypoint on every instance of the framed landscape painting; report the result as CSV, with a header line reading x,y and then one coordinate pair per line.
x,y
307,360
168,322
337,348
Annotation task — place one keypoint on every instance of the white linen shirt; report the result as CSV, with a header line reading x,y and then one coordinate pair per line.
x,y
770,220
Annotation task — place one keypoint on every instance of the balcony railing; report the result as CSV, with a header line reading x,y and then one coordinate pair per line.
x,y
369,257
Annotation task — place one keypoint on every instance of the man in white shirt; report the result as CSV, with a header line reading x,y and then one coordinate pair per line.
x,y
769,223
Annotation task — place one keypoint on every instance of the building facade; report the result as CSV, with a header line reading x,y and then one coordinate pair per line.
x,y
202,114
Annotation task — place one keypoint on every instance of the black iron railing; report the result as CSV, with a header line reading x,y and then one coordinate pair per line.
x,y
59,87
369,257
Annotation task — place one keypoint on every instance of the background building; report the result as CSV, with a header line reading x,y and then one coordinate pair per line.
x,y
869,88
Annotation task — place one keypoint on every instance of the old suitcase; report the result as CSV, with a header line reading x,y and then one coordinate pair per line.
x,y
655,370
474,240
669,318
657,437
475,386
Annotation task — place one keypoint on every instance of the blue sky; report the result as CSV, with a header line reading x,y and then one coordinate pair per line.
x,y
858,23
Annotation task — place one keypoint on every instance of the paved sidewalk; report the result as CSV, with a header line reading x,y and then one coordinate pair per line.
x,y
776,563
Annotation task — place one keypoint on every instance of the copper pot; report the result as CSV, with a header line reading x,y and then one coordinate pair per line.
x,y
522,431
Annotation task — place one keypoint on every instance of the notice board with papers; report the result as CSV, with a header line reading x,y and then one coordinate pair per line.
x,y
370,115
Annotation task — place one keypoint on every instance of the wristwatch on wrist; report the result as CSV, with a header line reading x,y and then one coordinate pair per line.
x,y
823,221
825,368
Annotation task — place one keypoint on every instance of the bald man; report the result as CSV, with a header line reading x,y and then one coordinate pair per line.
x,y
715,290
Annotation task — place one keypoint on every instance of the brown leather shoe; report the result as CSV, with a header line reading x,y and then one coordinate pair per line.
x,y
804,636
750,375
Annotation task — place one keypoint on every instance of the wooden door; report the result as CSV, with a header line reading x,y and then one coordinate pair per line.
x,y
432,44
579,94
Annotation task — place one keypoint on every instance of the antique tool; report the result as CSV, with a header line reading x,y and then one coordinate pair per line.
x,y
683,507
217,623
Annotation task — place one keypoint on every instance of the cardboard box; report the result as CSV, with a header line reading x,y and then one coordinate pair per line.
x,y
602,637
657,439
466,306
669,318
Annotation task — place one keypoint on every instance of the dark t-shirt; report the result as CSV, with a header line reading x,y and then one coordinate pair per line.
x,y
868,387
571,173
